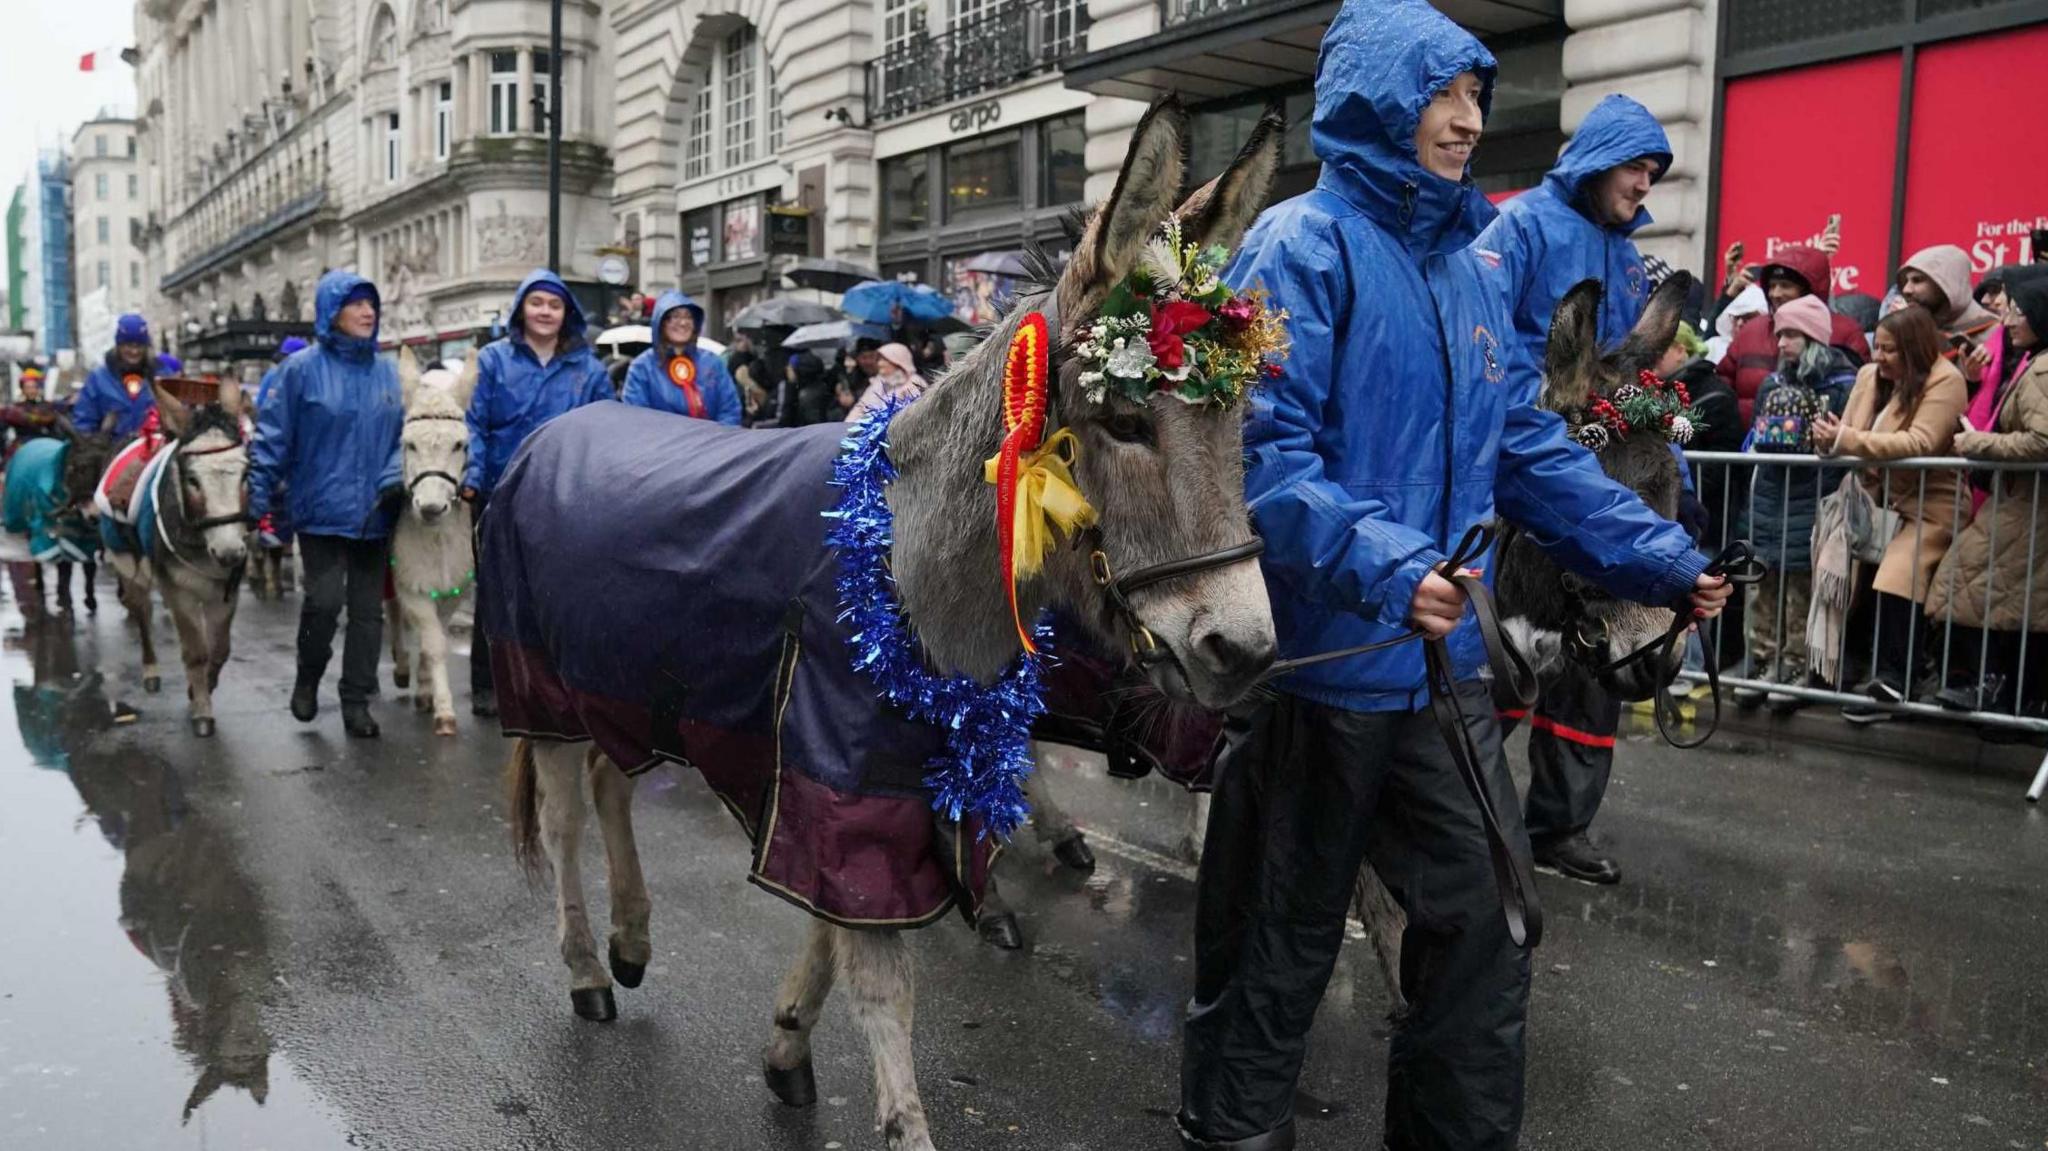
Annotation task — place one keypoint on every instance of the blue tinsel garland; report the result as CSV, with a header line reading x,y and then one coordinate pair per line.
x,y
988,726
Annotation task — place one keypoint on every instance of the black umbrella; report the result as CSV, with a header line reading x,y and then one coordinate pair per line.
x,y
782,312
828,275
998,264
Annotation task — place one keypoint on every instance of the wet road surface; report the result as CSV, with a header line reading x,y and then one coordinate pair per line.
x,y
285,940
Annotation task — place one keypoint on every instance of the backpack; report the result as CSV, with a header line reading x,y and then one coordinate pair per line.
x,y
1784,418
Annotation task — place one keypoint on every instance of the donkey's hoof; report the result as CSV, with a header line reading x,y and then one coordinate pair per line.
x,y
445,725
202,726
401,678
594,1003
627,973
797,1086
1002,931
1073,851
152,683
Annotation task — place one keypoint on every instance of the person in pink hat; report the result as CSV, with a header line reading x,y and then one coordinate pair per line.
x,y
897,378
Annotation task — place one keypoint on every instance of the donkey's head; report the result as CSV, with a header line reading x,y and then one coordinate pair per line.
x,y
211,472
1557,615
435,439
86,456
1164,475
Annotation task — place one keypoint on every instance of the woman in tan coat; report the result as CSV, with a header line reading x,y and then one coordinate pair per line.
x,y
1988,578
1907,402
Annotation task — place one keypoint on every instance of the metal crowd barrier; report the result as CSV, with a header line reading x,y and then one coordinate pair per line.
x,y
1955,652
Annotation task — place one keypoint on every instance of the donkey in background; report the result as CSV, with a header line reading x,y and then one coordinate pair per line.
x,y
432,561
1167,481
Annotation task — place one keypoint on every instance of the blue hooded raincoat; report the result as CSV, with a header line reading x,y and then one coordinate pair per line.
x,y
106,394
650,385
1396,423
516,393
1547,239
329,433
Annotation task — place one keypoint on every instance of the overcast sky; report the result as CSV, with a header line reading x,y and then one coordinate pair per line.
x,y
43,93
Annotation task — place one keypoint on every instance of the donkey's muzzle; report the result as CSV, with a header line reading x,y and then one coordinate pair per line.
x,y
1231,657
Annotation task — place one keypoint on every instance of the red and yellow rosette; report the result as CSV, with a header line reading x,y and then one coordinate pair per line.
x,y
682,371
1036,500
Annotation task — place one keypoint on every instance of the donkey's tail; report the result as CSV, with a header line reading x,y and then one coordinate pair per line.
x,y
522,806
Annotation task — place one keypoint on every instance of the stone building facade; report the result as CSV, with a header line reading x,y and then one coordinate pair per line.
x,y
281,138
106,201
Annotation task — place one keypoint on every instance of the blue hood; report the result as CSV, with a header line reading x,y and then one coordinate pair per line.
x,y
668,302
1382,61
573,322
335,289
1615,132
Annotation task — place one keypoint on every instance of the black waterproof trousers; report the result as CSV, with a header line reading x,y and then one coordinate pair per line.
x,y
343,572
1305,794
1571,754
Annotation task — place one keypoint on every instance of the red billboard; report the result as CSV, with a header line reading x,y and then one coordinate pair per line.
x,y
1976,176
1800,146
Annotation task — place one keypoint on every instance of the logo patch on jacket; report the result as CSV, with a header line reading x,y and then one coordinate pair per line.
x,y
1638,281
1489,351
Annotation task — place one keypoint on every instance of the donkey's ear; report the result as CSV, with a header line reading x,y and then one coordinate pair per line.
x,y
1653,334
231,398
1146,191
408,374
1571,359
1220,210
465,383
171,411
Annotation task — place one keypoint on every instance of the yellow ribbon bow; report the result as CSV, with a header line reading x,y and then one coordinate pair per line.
x,y
1047,506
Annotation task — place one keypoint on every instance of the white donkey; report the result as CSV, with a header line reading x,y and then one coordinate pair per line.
x,y
432,563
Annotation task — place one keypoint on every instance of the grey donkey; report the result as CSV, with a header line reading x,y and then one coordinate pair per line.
x,y
1167,481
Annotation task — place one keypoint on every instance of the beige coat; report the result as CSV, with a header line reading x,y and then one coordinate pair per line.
x,y
1927,516
1968,575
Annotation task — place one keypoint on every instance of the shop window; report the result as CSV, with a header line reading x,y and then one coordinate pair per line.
x,y
700,239
1754,24
504,93
741,232
981,176
906,193
1062,161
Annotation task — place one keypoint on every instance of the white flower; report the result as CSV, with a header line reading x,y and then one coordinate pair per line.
x,y
1131,360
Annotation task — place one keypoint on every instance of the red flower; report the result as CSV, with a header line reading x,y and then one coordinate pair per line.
x,y
1239,313
1169,323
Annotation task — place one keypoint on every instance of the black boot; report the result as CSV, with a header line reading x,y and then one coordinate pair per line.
x,y
306,698
355,720
1575,857
483,703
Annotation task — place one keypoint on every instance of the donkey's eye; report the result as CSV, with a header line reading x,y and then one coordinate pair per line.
x,y
1128,428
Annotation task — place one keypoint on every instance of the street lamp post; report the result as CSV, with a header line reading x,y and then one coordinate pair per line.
x,y
555,135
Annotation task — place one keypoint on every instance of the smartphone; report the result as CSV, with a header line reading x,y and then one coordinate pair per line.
x,y
1834,228
1733,259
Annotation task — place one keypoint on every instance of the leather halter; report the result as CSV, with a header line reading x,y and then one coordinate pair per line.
x,y
1145,648
179,452
454,481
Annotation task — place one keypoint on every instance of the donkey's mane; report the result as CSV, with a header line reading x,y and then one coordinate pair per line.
x,y
211,418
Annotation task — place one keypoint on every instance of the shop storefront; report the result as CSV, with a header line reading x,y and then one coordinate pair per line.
x,y
1915,131
727,265
964,190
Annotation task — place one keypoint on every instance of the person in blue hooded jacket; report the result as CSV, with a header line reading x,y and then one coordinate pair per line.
x,y
542,368
1576,227
118,389
275,530
327,440
675,375
1393,427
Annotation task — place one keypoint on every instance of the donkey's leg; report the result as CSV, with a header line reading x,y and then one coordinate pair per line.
x,y
220,627
1384,922
394,620
875,966
132,585
189,618
786,1064
1053,826
559,768
92,575
431,688
612,789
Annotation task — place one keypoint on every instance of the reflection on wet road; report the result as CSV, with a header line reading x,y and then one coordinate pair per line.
x,y
286,940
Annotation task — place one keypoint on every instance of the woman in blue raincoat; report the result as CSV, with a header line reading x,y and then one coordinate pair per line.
x,y
1393,427
543,367
327,441
675,375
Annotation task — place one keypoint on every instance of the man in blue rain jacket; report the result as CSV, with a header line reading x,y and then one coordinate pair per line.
x,y
1576,227
328,438
675,375
1394,426
118,389
540,369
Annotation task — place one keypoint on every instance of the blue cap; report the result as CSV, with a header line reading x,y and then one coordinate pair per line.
x,y
131,329
363,291
168,364
291,344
